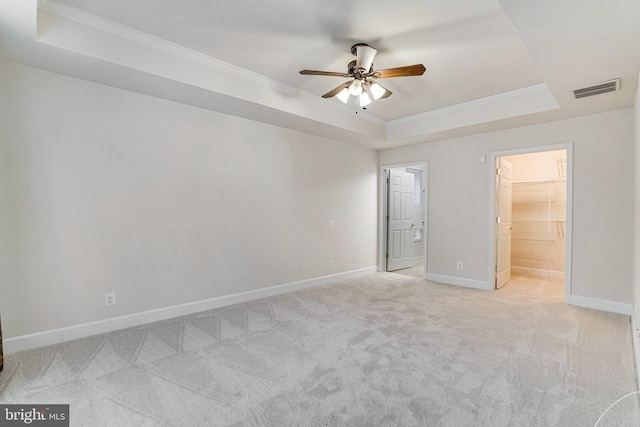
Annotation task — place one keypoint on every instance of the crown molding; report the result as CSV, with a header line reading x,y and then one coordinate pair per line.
x,y
257,97
146,39
529,100
518,93
70,28
103,25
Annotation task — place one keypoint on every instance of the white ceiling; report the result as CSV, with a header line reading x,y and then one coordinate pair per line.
x,y
491,64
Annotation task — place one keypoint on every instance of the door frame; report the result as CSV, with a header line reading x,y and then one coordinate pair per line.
x,y
501,203
568,146
382,209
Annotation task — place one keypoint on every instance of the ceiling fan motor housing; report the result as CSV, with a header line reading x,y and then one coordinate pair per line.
x,y
359,74
364,58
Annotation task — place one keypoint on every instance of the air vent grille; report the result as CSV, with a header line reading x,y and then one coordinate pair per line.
x,y
610,86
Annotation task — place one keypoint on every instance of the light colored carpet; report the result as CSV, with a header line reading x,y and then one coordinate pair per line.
x,y
382,350
415,271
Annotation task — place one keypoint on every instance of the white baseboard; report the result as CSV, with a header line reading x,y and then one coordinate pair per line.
x,y
534,272
55,336
600,304
459,281
635,334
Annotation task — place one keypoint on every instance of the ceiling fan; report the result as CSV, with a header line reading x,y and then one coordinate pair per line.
x,y
364,85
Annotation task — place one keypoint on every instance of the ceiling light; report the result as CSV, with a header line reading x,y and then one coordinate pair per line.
x,y
364,99
343,95
355,88
376,90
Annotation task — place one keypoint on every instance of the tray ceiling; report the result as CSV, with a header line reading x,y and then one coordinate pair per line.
x,y
490,64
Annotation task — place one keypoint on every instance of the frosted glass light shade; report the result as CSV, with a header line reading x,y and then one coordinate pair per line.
x,y
343,95
376,90
364,99
355,88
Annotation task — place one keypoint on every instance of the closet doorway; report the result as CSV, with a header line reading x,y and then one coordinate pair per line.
x,y
532,214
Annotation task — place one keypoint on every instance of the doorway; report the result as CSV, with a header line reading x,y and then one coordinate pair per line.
x,y
533,217
403,222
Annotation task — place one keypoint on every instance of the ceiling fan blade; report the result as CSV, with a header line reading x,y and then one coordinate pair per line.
x,y
406,71
323,73
364,56
337,90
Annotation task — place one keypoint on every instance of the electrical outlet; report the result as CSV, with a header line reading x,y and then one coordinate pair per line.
x,y
460,266
110,298
355,260
331,263
332,224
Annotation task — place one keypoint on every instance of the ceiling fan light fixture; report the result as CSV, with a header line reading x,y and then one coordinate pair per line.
x,y
363,85
364,99
343,95
355,88
376,91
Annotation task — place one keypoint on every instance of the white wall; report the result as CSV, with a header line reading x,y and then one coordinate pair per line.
x,y
460,205
107,190
636,257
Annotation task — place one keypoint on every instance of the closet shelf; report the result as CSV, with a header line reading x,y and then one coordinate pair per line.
x,y
545,222
546,202
538,223
524,239
540,181
532,259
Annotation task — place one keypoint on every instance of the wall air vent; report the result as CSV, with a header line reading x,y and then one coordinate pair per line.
x,y
604,87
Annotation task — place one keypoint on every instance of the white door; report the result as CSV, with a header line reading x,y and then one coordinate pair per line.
x,y
503,256
400,220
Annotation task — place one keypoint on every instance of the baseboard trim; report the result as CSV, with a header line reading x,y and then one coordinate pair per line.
x,y
635,335
600,304
458,281
535,272
55,336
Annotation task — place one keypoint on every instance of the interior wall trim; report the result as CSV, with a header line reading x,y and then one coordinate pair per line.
x,y
600,304
103,25
536,272
635,336
459,281
533,99
56,336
